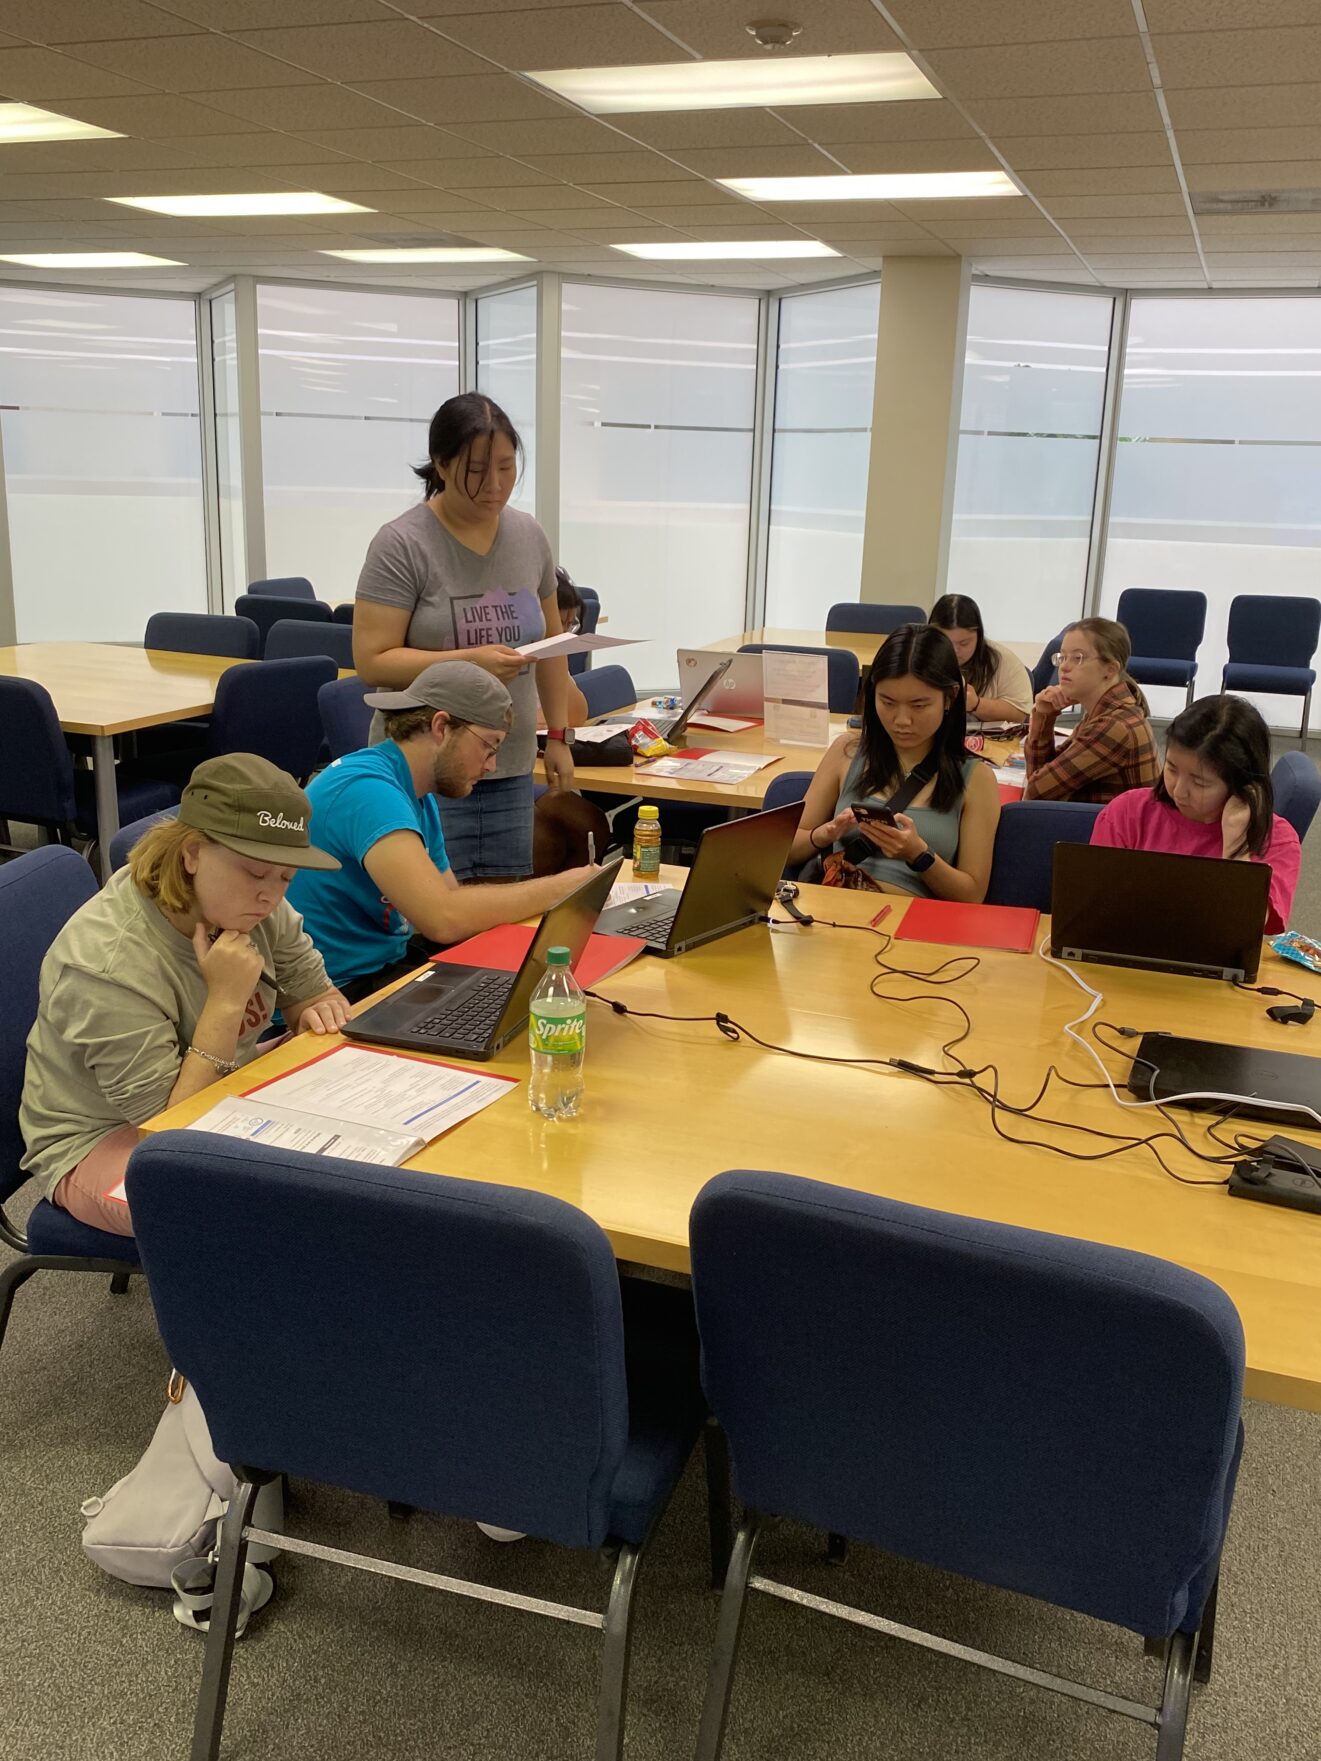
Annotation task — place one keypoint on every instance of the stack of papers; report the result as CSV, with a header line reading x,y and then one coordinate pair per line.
x,y
708,766
572,642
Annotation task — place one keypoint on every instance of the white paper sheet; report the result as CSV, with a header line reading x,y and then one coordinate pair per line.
x,y
716,767
797,695
626,892
572,643
597,733
256,1120
354,1085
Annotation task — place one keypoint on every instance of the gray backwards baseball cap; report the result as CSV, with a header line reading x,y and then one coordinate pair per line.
x,y
253,807
467,692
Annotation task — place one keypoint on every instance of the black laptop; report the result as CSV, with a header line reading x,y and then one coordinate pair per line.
x,y
470,1010
731,884
1195,915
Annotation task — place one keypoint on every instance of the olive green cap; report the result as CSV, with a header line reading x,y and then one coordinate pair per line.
x,y
253,807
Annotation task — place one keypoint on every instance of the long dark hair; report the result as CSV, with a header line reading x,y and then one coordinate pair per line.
x,y
455,426
1231,736
957,612
925,653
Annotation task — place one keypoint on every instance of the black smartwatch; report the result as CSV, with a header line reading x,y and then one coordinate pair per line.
x,y
920,864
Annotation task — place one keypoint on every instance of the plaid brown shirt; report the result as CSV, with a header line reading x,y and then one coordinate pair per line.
x,y
1111,750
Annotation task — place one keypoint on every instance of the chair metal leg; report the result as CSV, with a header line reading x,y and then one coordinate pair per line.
x,y
1206,1638
1188,700
1307,715
719,1511
616,1650
15,1273
212,1694
837,1549
715,1708
119,1284
1172,1720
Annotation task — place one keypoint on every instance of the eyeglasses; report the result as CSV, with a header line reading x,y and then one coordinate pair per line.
x,y
1075,659
490,747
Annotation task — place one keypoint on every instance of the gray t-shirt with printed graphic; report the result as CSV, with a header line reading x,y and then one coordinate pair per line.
x,y
458,599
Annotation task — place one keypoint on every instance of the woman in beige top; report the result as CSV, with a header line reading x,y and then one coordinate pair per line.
x,y
996,683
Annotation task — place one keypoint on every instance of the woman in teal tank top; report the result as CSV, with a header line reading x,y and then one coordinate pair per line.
x,y
913,714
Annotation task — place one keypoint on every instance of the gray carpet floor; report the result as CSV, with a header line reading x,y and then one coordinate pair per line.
x,y
345,1665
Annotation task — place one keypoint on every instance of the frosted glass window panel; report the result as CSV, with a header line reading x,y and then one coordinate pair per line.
x,y
350,380
507,373
658,392
1218,466
229,472
825,375
1029,442
103,461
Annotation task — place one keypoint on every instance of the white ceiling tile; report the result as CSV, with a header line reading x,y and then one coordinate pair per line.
x,y
1224,15
992,208
528,197
356,53
865,124
311,106
592,168
965,155
1015,265
564,36
692,192
683,215
471,175
801,160
1031,245
1063,208
1291,105
1035,153
418,140
1043,70
1229,146
1265,227
249,15
1145,260
674,130
1298,174
940,24
36,75
199,63
475,98
1023,224
1239,58
1093,232
125,155
568,219
717,29
156,116
267,148
1136,180
566,134
77,21
1105,113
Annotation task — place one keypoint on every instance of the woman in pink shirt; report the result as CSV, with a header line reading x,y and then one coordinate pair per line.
x,y
1212,798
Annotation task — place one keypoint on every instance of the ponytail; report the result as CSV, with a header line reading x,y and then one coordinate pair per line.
x,y
455,426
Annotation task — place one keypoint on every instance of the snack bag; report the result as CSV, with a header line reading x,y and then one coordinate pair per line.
x,y
1302,950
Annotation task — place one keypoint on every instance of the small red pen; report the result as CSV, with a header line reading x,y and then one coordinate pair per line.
x,y
880,916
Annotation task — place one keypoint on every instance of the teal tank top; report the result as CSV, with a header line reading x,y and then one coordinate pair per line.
x,y
940,832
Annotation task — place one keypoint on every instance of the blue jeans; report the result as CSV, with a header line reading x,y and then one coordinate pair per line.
x,y
488,834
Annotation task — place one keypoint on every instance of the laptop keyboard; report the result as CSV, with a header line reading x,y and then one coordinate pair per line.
x,y
656,932
473,1015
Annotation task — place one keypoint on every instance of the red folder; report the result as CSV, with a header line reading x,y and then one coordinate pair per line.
x,y
1012,927
503,949
1010,792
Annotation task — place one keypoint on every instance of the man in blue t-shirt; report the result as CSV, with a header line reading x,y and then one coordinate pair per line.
x,y
376,812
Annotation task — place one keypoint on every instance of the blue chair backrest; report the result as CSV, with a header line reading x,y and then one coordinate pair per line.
x,y
872,620
454,1345
791,785
121,845
1044,672
267,610
1053,1416
343,614
295,636
36,777
198,632
606,688
1273,630
843,673
39,893
284,587
345,719
271,709
1163,624
591,613
1024,853
1296,785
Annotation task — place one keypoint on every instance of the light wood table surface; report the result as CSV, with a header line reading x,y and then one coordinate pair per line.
x,y
101,689
668,1105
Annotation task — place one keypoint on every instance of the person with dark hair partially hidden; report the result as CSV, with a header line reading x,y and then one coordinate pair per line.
x,y
1212,798
463,576
913,721
996,683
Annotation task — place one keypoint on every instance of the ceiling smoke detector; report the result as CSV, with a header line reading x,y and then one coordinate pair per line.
x,y
773,33
1258,202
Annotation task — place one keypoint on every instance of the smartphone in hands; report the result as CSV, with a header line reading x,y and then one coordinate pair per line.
x,y
874,813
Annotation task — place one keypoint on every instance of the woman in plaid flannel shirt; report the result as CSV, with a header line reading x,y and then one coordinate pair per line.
x,y
1111,749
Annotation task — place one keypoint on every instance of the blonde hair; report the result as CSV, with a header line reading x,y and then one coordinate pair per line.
x,y
1113,647
156,865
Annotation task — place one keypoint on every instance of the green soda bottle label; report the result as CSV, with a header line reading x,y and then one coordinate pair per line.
x,y
559,1035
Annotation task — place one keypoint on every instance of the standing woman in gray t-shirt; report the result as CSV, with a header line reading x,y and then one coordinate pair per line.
x,y
462,576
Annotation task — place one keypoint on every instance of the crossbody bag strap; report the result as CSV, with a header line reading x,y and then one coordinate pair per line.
x,y
914,783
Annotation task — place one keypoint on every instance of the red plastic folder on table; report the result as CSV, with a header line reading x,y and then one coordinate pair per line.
x,y
503,949
1011,927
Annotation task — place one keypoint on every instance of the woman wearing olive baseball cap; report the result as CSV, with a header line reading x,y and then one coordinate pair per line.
x,y
167,979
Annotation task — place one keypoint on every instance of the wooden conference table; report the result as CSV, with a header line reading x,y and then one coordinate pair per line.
x,y
670,1104
102,689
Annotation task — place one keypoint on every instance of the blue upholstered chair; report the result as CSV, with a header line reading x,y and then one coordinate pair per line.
x,y
266,610
1045,672
271,709
872,620
121,845
38,783
345,719
1272,639
39,893
291,637
843,674
1165,626
791,785
1054,1417
454,1346
343,613
607,688
1296,785
1024,853
195,632
283,587
591,602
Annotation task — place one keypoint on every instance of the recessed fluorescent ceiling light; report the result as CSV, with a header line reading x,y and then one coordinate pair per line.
x,y
756,250
90,260
433,254
930,186
733,85
266,202
24,122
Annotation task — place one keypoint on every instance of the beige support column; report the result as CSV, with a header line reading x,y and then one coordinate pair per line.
x,y
920,347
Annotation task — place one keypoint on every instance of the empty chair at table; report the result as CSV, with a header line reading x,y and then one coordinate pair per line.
x,y
1165,627
1272,642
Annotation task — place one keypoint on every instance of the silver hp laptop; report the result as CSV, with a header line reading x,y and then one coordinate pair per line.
x,y
730,885
739,692
675,728
471,1010
1190,914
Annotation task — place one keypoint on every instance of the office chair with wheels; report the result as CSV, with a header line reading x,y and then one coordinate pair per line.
x,y
1050,1416
450,1345
39,893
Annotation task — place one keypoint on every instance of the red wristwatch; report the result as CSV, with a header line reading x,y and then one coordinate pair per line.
x,y
563,735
